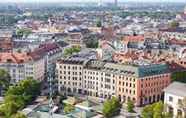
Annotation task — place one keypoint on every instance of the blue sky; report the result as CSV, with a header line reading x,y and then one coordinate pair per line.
x,y
90,0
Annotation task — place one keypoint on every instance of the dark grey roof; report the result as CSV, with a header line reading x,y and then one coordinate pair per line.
x,y
176,88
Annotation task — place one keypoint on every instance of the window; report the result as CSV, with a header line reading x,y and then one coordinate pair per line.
x,y
170,98
179,101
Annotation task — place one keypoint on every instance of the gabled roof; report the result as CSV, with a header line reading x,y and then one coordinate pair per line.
x,y
43,50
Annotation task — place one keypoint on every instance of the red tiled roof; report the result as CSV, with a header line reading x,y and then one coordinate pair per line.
x,y
43,49
138,38
178,42
14,57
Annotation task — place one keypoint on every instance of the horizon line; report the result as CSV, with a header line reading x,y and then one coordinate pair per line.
x,y
92,2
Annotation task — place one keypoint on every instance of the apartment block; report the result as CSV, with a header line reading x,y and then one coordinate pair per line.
x,y
141,83
22,65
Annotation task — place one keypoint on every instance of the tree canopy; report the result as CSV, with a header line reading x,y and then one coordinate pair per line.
x,y
70,51
111,107
130,106
179,76
68,108
18,96
155,110
98,23
23,32
4,80
174,24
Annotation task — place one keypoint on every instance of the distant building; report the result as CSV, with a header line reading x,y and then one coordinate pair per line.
x,y
50,52
102,80
174,94
116,3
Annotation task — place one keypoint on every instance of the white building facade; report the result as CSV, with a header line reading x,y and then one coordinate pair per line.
x,y
174,95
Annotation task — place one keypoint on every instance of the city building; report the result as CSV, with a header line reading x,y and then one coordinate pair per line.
x,y
141,83
22,65
174,95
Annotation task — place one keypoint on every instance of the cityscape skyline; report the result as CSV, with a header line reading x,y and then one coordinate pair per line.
x,y
25,1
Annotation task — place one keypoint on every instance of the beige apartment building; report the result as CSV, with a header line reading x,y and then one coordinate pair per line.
x,y
142,84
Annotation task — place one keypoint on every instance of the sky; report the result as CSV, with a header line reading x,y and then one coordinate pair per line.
x,y
91,0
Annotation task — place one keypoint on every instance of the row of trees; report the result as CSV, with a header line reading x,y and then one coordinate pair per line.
x,y
18,96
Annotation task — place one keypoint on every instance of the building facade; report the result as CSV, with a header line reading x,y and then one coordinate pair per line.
x,y
21,65
142,84
174,95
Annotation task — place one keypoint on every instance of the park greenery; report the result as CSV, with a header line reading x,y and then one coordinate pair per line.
x,y
18,96
72,50
130,106
179,76
111,107
23,32
156,110
4,81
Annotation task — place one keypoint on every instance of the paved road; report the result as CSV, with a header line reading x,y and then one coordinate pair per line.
x,y
125,114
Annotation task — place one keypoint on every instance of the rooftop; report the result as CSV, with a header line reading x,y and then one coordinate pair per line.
x,y
14,57
176,88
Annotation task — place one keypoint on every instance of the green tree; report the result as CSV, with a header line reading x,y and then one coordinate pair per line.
x,y
155,110
179,76
23,32
4,80
18,115
130,106
9,108
92,43
111,107
174,24
158,110
147,111
68,108
17,96
70,51
98,23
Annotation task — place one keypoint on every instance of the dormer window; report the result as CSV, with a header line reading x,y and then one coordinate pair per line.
x,y
21,61
9,60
